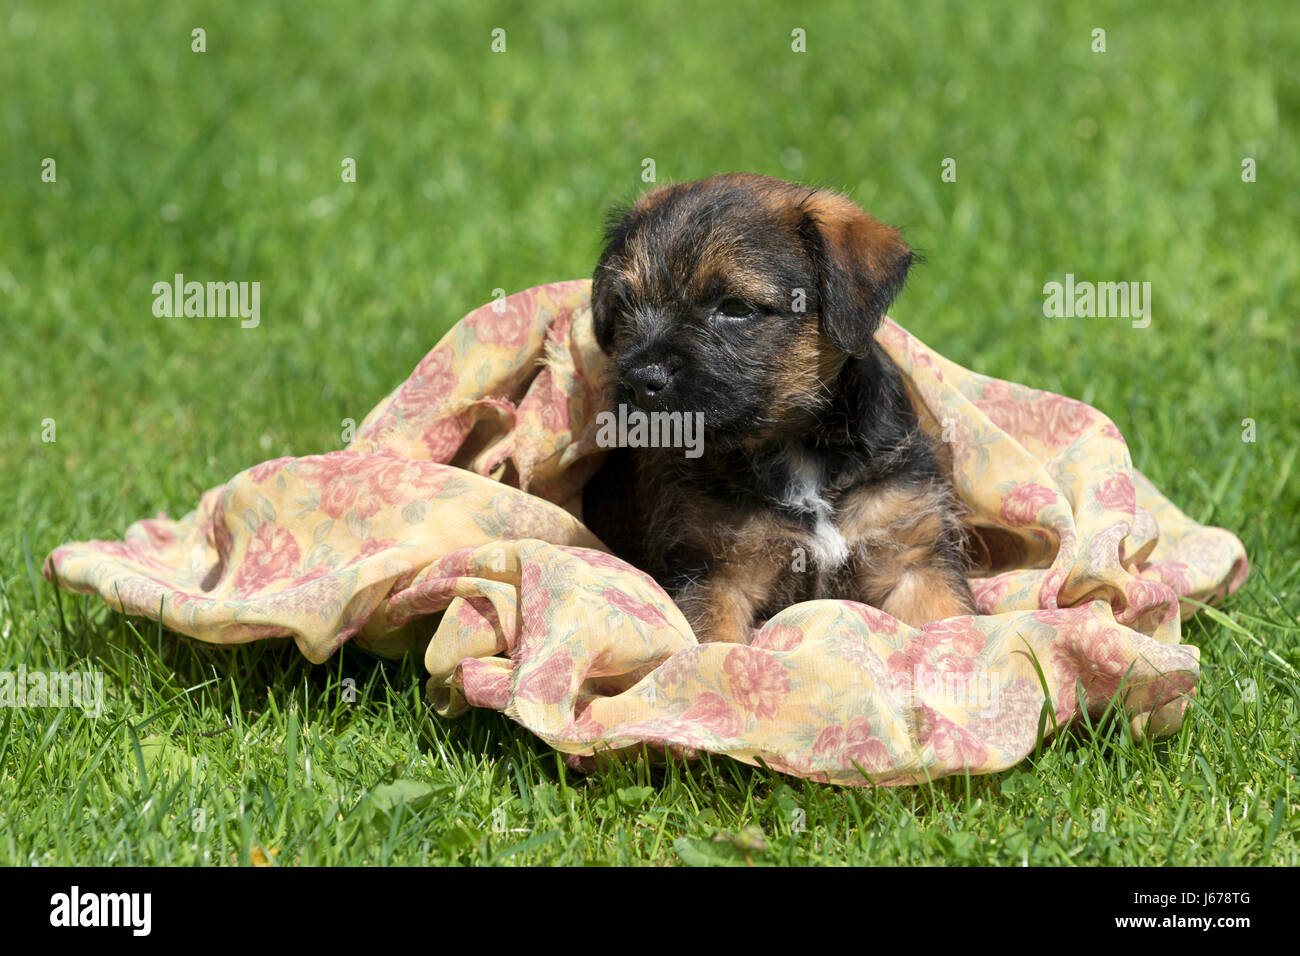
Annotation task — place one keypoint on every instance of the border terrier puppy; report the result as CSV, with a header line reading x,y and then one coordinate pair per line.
x,y
754,302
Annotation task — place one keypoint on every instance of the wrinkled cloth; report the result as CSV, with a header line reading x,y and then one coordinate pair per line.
x,y
461,494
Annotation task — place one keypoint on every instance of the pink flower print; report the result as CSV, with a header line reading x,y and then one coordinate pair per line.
x,y
272,554
996,390
337,497
267,469
430,384
550,682
1176,574
1022,504
320,469
1110,431
585,726
367,504
536,599
758,683
829,742
1144,597
511,328
646,613
1116,494
1050,589
989,592
710,711
372,546
443,438
386,480
781,637
864,748
484,685
954,746
877,621
1060,420
960,633
855,650
555,412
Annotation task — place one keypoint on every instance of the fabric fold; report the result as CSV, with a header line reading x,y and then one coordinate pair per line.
x,y
454,517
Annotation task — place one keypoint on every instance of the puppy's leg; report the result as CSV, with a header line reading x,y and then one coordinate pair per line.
x,y
925,594
910,556
720,605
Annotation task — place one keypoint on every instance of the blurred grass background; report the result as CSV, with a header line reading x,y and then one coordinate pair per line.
x,y
479,170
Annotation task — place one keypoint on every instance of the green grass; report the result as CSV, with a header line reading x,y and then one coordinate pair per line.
x,y
479,171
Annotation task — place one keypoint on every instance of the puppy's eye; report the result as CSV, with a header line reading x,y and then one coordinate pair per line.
x,y
734,307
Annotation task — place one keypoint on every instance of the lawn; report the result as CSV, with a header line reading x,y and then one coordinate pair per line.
x,y
479,170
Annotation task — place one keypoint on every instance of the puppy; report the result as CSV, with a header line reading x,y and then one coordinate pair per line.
x,y
754,302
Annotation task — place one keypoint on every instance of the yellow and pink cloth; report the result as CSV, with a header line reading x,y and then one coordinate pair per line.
x,y
461,497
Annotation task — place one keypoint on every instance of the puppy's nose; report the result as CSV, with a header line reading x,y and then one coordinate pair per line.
x,y
647,382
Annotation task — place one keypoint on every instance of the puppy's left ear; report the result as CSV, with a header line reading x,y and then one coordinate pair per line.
x,y
861,265
618,223
602,315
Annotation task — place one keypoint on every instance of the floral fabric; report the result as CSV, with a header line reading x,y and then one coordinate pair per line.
x,y
461,494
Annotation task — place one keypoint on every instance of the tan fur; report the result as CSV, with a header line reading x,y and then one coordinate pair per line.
x,y
898,533
850,232
723,605
926,595
803,383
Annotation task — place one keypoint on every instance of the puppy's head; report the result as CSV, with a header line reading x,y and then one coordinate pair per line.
x,y
741,297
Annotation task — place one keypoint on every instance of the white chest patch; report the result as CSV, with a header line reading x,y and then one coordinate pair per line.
x,y
804,493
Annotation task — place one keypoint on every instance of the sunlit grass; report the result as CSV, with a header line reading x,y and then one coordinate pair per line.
x,y
479,171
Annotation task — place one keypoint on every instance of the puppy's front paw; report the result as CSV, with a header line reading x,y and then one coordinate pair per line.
x,y
717,615
928,594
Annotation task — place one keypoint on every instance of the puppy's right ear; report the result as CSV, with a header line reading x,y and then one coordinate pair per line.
x,y
618,223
